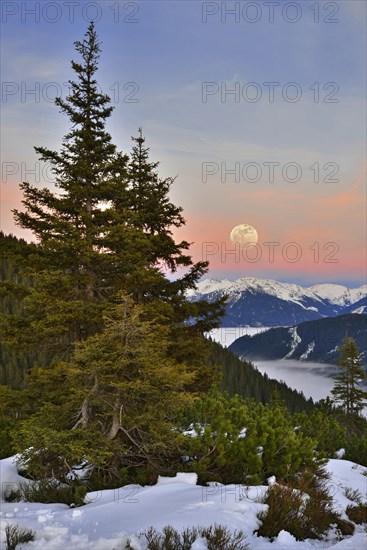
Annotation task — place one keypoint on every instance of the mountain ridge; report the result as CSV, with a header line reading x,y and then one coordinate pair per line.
x,y
266,302
316,341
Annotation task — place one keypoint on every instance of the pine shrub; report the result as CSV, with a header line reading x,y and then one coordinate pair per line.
x,y
217,537
240,441
345,527
357,514
17,535
356,448
48,491
353,494
285,509
220,538
305,509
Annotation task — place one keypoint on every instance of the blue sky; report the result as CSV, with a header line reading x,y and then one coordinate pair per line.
x,y
164,60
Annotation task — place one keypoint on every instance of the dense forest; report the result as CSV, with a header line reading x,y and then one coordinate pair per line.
x,y
15,363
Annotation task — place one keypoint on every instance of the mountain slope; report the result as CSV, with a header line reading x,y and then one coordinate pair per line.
x,y
309,341
263,302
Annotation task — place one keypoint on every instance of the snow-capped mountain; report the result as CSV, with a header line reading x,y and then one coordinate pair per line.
x,y
310,341
338,294
263,302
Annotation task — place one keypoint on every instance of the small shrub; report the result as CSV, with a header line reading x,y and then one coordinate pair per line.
x,y
17,535
48,491
154,539
12,495
285,510
357,514
319,513
217,537
189,536
345,527
169,540
221,538
305,511
353,495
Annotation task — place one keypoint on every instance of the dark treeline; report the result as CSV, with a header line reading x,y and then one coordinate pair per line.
x,y
15,362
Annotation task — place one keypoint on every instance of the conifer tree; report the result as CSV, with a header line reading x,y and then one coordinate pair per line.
x,y
105,232
69,268
86,171
113,404
151,219
153,212
346,389
106,229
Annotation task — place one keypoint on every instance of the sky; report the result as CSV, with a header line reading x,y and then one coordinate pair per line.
x,y
257,107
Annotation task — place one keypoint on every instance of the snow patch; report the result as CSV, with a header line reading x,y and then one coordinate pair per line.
x,y
286,540
310,348
295,341
340,453
181,477
360,310
9,476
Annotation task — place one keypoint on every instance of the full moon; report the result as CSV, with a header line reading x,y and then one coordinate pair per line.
x,y
244,234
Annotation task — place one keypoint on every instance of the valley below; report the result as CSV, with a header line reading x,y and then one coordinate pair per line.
x,y
314,379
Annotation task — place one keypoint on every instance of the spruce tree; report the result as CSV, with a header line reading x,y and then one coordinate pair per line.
x,y
103,236
346,390
113,404
153,212
151,219
106,229
68,225
69,266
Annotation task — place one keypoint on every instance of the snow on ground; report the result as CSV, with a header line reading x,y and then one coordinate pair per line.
x,y
345,475
295,341
114,516
9,476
